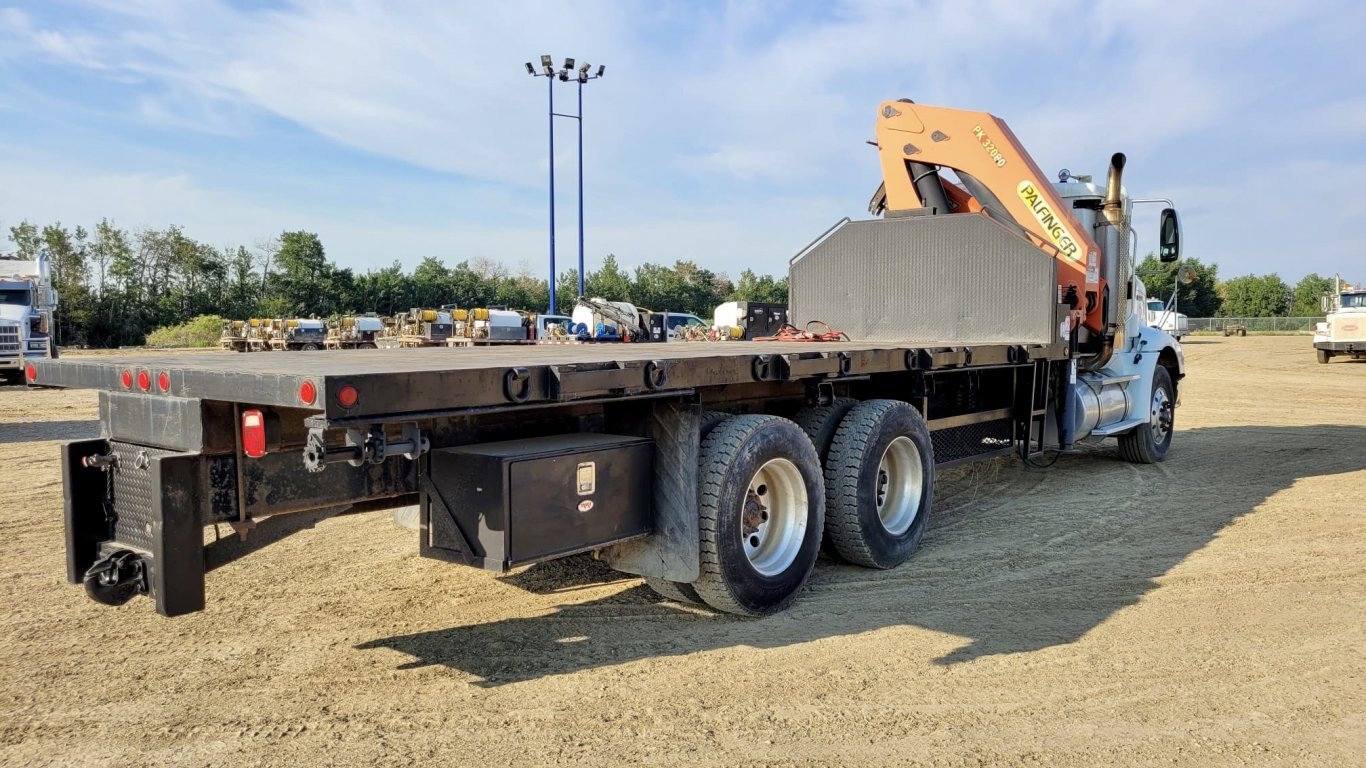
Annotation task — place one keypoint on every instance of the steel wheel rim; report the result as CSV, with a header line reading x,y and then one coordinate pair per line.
x,y
900,484
1160,419
773,517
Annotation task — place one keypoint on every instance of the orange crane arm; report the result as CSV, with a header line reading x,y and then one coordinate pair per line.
x,y
915,140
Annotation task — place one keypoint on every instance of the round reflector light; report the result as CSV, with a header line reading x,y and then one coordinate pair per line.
x,y
144,381
127,379
164,381
347,396
308,393
30,372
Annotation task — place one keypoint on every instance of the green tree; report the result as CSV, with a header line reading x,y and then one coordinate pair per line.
x,y
1255,296
1305,299
752,287
1198,299
609,281
27,239
301,267
431,284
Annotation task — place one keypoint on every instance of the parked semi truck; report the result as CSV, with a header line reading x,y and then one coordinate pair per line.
x,y
1343,331
989,313
27,304
1163,315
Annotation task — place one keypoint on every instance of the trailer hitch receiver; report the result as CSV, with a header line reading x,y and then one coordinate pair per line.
x,y
116,578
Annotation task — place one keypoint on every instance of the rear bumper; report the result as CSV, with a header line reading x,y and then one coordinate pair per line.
x,y
1341,346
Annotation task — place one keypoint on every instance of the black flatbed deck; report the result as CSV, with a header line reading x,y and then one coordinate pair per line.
x,y
441,379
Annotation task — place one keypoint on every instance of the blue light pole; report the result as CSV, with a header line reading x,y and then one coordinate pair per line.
x,y
581,77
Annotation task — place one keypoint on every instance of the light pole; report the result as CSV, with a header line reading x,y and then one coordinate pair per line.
x,y
581,77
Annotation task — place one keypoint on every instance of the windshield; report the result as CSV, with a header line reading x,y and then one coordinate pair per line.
x,y
17,296
1353,300
1156,306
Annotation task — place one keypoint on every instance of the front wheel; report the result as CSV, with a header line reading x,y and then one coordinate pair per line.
x,y
1148,443
1324,355
309,347
761,508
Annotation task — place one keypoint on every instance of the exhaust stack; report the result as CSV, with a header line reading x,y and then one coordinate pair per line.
x,y
1113,207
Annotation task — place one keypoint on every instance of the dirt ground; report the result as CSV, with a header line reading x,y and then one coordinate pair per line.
x,y
1210,610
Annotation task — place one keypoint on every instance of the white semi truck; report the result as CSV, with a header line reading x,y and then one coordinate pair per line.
x,y
1165,317
1343,332
27,303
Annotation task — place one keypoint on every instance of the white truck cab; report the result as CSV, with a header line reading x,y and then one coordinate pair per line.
x,y
1343,332
1164,317
27,302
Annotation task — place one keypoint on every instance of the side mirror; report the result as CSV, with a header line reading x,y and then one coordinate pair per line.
x,y
1326,304
1169,237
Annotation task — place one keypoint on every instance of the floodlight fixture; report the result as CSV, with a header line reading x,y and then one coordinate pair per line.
x,y
584,67
601,68
568,63
530,70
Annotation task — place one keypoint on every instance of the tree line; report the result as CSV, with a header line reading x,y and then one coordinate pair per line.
x,y
1243,296
115,286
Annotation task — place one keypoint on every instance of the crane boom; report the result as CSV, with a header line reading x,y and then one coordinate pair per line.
x,y
998,177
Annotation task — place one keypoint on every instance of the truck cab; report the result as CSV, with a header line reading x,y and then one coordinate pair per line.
x,y
1343,332
1168,319
27,301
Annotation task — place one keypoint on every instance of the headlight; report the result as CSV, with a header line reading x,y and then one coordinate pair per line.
x,y
37,346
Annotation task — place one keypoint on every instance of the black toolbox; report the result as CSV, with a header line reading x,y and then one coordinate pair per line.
x,y
500,505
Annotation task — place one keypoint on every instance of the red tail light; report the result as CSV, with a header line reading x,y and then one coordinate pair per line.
x,y
308,393
347,396
253,434
127,379
144,381
164,381
30,372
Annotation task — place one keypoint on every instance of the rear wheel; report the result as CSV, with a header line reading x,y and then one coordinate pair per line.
x,y
709,421
674,590
879,480
819,422
1148,443
310,347
678,590
1324,355
761,509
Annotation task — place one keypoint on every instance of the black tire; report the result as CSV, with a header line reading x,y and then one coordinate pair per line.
x,y
856,479
1147,444
678,590
709,421
819,422
731,458
674,590
1324,355
310,347
367,345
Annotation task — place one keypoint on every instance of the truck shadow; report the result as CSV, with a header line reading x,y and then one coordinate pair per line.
x,y
1016,560
40,431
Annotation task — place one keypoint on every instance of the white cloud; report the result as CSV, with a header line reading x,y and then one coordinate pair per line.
x,y
728,134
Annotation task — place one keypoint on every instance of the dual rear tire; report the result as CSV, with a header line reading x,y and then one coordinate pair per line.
x,y
765,503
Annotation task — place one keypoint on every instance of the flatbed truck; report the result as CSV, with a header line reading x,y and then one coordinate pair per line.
x,y
715,471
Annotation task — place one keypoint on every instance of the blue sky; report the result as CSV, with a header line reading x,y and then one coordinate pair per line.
x,y
729,133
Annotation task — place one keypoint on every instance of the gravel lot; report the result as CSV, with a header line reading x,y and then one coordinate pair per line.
x,y
1210,610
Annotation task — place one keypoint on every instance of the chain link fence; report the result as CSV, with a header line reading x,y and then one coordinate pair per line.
x,y
1289,325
